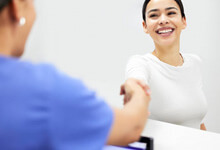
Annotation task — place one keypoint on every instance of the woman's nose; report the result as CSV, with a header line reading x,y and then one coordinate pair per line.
x,y
163,20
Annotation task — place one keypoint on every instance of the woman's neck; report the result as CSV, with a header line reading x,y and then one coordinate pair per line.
x,y
5,43
169,54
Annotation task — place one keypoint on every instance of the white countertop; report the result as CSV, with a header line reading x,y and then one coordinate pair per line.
x,y
174,137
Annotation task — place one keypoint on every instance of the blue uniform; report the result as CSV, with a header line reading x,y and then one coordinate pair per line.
x,y
43,109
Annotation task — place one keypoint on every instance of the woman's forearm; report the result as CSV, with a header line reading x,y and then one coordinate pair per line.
x,y
130,121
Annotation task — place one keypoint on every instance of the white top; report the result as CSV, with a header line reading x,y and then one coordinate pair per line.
x,y
177,95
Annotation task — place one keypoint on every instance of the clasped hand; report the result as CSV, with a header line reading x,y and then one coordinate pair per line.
x,y
133,86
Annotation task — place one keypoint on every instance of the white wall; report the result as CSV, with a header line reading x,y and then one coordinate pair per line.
x,y
92,40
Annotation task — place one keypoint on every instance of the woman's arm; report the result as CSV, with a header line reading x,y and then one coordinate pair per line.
x,y
130,121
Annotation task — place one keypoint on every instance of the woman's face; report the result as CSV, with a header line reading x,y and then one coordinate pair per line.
x,y
28,12
164,22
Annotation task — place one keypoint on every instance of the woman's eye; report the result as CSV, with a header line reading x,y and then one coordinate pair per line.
x,y
171,13
153,15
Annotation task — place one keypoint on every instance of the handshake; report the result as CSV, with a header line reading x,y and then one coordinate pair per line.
x,y
133,87
130,121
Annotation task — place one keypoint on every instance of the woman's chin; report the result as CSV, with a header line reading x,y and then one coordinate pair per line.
x,y
166,42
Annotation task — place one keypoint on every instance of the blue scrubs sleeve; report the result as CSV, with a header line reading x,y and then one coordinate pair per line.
x,y
78,119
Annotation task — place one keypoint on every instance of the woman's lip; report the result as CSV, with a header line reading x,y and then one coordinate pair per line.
x,y
165,32
164,29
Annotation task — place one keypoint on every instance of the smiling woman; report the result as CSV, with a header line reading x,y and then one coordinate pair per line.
x,y
174,78
164,23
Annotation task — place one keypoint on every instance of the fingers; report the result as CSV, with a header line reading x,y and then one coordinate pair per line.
x,y
122,89
144,86
141,83
125,100
130,85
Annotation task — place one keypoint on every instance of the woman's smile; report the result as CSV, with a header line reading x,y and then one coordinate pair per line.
x,y
165,31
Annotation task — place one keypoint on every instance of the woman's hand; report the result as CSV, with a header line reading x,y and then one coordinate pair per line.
x,y
130,121
129,87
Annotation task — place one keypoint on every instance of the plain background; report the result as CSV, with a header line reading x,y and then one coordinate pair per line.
x,y
93,39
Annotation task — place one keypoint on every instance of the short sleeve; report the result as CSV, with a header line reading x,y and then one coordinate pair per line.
x,y
78,119
137,67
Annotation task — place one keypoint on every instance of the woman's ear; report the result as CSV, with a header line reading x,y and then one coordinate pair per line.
x,y
145,27
184,23
15,10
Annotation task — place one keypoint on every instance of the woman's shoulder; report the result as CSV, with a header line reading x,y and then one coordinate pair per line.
x,y
17,68
144,58
192,58
40,72
35,76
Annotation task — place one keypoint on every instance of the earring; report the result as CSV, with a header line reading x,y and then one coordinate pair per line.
x,y
22,21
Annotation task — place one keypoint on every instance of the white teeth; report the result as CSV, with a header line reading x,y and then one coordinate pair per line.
x,y
165,31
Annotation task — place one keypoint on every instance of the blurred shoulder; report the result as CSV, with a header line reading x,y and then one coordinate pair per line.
x,y
192,58
140,58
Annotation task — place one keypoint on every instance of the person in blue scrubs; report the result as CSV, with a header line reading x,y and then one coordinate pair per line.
x,y
44,109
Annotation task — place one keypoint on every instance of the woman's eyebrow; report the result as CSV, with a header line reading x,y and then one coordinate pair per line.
x,y
154,10
171,8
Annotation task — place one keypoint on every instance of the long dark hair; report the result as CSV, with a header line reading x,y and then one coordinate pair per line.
x,y
4,3
179,2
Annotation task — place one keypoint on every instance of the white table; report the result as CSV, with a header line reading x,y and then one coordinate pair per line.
x,y
174,137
